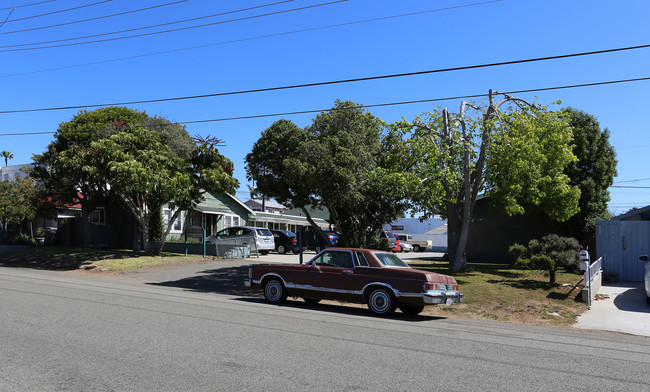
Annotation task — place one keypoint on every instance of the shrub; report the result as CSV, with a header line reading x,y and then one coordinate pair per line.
x,y
549,253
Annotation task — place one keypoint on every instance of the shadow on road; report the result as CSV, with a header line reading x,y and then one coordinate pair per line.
x,y
230,281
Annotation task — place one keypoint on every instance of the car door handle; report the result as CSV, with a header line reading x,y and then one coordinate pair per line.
x,y
347,272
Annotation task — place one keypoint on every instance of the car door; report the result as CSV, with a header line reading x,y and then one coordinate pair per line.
x,y
330,275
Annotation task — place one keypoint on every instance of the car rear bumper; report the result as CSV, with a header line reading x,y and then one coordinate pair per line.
x,y
433,297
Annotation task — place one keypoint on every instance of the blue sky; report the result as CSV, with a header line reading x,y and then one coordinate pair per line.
x,y
296,46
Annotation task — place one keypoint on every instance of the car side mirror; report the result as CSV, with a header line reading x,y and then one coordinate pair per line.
x,y
644,258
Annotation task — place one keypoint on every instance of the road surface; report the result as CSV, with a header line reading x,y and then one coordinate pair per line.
x,y
202,331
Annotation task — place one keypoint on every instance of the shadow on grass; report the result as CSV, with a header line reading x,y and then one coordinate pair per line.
x,y
523,284
58,258
230,281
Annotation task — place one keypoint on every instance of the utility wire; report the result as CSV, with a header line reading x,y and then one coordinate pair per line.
x,y
19,47
27,5
637,180
60,11
368,78
365,106
7,18
95,18
251,38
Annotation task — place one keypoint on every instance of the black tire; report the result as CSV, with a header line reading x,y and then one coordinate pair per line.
x,y
381,302
264,252
281,249
647,299
411,310
416,248
274,291
311,301
295,252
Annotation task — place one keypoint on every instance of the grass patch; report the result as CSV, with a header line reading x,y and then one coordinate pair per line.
x,y
501,292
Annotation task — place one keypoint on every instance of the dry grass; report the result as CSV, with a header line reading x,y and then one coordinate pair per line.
x,y
500,292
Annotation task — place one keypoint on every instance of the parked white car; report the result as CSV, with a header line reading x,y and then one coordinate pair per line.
x,y
237,236
646,277
406,247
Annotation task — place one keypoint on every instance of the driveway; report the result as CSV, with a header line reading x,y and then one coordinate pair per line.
x,y
619,307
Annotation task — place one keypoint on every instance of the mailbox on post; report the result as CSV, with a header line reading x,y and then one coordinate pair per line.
x,y
584,260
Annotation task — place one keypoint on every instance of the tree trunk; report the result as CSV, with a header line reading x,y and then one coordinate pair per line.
x,y
457,231
170,223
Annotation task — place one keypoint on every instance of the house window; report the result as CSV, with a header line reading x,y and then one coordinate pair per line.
x,y
230,221
167,214
98,217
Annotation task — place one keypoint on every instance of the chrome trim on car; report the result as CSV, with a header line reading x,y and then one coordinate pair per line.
x,y
271,274
441,297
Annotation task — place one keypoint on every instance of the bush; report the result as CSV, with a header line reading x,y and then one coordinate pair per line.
x,y
549,253
375,242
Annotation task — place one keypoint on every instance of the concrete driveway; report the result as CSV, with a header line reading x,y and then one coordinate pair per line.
x,y
619,307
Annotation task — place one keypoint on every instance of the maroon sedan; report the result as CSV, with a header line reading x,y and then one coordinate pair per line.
x,y
378,278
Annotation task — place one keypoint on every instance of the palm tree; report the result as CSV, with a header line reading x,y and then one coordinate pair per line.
x,y
7,155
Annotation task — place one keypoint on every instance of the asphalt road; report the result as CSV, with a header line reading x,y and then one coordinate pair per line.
x,y
197,329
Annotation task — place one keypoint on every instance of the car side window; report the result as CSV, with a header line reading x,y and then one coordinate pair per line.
x,y
361,259
335,259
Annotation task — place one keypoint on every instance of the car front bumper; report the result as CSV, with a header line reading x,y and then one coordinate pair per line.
x,y
433,297
248,282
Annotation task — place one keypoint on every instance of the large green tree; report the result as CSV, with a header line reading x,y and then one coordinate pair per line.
x,y
121,155
19,201
339,162
593,172
511,151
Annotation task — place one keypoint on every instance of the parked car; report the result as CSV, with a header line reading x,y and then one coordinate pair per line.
x,y
418,245
406,247
646,277
398,246
380,279
235,236
285,241
312,240
390,237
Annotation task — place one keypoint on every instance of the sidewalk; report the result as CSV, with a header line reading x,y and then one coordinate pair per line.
x,y
619,307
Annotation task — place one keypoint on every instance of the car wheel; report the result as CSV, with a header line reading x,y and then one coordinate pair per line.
x,y
274,291
311,301
281,249
264,252
295,252
381,301
648,300
416,248
411,310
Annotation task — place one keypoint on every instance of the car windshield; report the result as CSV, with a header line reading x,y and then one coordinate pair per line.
x,y
264,232
390,260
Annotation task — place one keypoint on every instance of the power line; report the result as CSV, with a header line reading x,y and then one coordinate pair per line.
x,y
368,78
157,32
365,106
253,38
636,180
27,5
630,187
95,18
59,11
